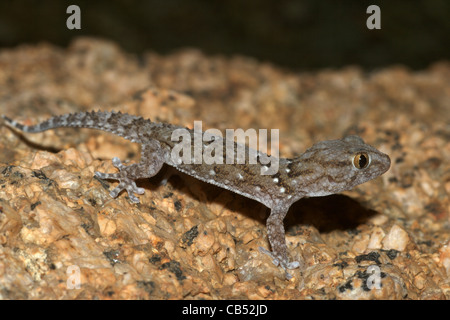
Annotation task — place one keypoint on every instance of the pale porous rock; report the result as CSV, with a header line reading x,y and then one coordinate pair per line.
x,y
386,239
444,257
396,239
376,238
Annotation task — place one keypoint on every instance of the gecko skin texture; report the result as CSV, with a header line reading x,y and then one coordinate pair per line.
x,y
326,168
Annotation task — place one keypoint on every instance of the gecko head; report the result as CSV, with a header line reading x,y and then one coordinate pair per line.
x,y
344,164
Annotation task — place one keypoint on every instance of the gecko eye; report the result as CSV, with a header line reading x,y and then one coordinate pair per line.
x,y
361,160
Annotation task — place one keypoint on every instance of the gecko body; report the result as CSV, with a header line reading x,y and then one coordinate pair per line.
x,y
326,168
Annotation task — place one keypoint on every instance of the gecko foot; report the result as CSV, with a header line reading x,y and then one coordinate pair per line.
x,y
125,183
283,264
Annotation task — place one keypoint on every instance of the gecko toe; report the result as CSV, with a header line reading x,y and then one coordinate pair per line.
x,y
117,163
107,176
293,265
115,192
275,261
133,198
132,189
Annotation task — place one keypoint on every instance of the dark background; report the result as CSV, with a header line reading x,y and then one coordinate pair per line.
x,y
301,35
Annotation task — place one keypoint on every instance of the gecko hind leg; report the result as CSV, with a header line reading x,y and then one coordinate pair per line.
x,y
277,240
152,160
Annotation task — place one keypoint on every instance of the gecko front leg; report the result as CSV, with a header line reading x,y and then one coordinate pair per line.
x,y
277,240
152,160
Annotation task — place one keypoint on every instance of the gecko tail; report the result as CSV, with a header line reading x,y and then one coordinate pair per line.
x,y
121,124
12,123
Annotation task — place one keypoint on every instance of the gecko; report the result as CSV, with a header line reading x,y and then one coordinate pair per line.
x,y
326,168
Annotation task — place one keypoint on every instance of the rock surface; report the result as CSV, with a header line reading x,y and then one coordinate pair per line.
x,y
386,239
